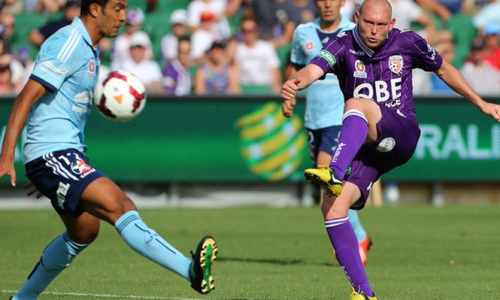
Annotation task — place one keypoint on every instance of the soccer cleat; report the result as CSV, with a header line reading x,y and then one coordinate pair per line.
x,y
325,177
200,269
360,296
364,246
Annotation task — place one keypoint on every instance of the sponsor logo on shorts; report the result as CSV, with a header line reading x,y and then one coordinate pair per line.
x,y
61,193
80,167
328,57
386,144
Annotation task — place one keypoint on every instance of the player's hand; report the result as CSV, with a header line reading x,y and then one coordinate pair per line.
x,y
287,107
7,168
493,110
290,88
32,190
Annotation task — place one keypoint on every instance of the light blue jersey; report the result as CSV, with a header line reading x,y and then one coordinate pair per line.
x,y
67,65
325,102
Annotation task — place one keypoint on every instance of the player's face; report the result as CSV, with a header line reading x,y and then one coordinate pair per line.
x,y
374,24
329,10
111,18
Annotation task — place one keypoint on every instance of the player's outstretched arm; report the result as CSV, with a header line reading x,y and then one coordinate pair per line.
x,y
300,80
31,92
452,77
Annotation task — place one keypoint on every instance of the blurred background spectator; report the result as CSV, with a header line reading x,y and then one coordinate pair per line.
x,y
257,59
438,86
216,75
203,37
70,11
7,86
121,45
306,9
146,69
276,19
7,26
178,20
492,47
408,14
11,6
481,76
151,6
46,7
176,79
217,9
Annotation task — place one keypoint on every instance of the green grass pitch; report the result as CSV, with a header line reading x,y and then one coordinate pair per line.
x,y
419,252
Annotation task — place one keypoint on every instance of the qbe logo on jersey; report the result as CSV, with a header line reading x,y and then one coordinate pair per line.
x,y
396,64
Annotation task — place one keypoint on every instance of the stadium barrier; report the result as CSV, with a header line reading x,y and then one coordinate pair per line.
x,y
230,139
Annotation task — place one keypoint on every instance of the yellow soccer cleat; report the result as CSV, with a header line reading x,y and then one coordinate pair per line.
x,y
325,177
360,296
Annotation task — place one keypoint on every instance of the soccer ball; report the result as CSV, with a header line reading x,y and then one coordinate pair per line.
x,y
120,97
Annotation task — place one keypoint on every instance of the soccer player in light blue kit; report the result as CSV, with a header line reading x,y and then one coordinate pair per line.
x,y
55,105
324,99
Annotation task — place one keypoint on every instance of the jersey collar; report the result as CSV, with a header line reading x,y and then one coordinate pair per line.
x,y
77,22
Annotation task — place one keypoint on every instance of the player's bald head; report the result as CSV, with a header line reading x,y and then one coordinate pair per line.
x,y
376,4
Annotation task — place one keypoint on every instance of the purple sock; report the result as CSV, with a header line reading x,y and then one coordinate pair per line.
x,y
346,247
352,136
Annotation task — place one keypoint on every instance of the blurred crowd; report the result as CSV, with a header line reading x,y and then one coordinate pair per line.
x,y
242,46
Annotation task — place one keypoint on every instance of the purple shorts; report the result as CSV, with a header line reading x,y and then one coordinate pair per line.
x,y
62,176
396,143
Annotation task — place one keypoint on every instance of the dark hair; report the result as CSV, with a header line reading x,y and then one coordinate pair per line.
x,y
184,38
85,5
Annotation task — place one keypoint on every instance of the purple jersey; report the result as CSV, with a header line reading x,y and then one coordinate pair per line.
x,y
384,75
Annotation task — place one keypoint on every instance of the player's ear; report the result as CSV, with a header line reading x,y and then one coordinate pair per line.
x,y
95,9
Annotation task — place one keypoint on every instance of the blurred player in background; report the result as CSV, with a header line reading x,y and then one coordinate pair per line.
x,y
380,131
324,100
55,103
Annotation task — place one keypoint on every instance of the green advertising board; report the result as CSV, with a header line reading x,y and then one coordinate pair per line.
x,y
235,139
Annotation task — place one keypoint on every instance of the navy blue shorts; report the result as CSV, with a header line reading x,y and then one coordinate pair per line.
x,y
62,176
397,140
323,139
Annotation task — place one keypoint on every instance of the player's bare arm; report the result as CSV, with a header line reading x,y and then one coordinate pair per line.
x,y
29,95
449,74
288,105
301,80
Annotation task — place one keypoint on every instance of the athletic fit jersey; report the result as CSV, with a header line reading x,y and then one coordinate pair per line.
x,y
384,75
325,102
68,66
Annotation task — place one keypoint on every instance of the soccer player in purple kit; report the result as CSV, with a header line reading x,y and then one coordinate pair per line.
x,y
373,63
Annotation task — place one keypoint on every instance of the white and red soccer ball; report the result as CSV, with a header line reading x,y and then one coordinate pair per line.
x,y
120,97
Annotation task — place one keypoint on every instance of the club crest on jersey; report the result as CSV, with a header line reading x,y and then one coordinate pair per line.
x,y
91,70
80,167
309,48
360,69
309,45
396,64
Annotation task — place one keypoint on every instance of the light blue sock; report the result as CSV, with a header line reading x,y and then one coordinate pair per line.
x,y
356,225
148,243
56,257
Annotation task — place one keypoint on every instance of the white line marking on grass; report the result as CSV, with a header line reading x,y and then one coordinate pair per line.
x,y
108,296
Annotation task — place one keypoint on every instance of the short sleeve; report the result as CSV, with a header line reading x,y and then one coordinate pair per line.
x,y
53,63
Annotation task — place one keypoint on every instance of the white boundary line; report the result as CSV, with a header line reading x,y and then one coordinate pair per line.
x,y
105,295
